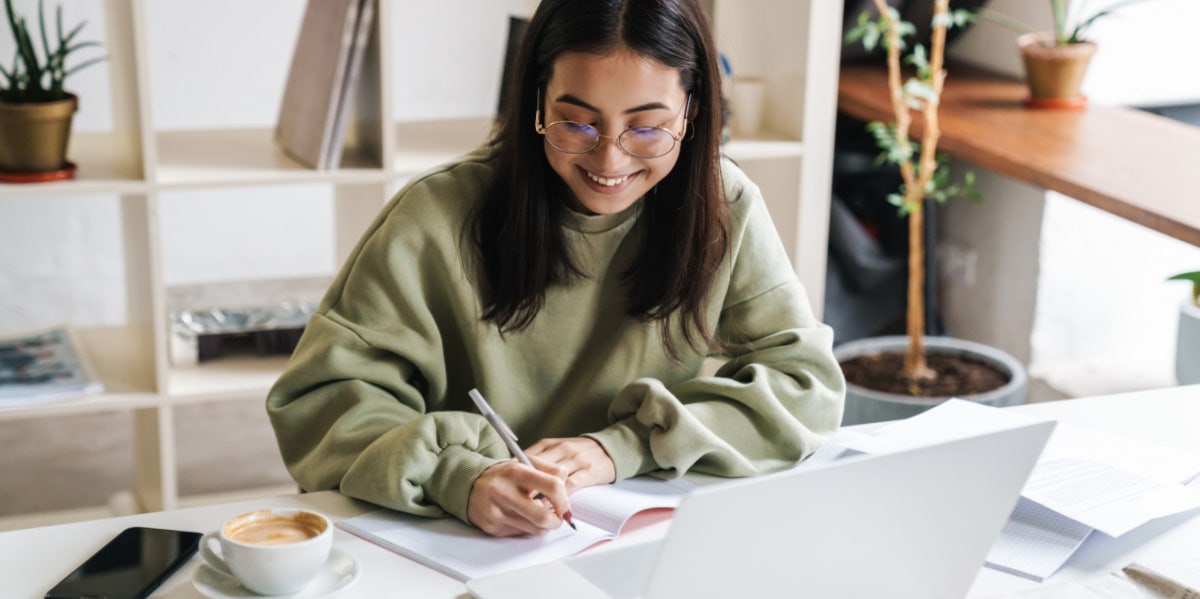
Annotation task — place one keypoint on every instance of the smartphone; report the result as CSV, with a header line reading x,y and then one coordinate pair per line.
x,y
130,566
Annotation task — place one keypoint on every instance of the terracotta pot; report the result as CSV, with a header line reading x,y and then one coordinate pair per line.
x,y
36,135
868,405
1054,72
1187,344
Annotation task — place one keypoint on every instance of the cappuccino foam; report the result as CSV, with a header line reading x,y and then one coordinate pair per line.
x,y
271,529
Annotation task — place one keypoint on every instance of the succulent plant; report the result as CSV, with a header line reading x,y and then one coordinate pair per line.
x,y
37,76
1194,277
1066,30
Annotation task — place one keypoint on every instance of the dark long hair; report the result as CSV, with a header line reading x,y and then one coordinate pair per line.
x,y
521,244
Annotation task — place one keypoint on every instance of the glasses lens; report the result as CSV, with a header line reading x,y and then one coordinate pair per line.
x,y
575,138
647,142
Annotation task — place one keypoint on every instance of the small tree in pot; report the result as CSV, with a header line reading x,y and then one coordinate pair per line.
x,y
878,391
35,108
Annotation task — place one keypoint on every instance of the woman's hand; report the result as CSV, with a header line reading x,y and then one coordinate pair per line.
x,y
582,459
510,499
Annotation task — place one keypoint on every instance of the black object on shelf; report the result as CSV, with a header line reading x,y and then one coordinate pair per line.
x,y
273,342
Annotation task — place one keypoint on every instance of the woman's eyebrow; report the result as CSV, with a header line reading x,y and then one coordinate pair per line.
x,y
569,99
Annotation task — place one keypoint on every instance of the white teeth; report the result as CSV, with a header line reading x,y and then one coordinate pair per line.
x,y
605,181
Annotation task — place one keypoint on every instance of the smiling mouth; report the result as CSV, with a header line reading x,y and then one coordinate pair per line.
x,y
607,181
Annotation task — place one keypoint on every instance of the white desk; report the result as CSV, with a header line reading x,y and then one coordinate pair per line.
x,y
34,559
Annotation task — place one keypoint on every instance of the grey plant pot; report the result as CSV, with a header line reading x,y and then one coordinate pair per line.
x,y
1187,344
867,405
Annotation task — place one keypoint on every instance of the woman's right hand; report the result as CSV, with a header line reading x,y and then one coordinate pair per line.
x,y
510,499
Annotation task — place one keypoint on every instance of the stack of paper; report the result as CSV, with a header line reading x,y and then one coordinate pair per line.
x,y
1085,481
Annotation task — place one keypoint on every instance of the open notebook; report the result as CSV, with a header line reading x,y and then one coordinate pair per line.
x,y
455,549
912,524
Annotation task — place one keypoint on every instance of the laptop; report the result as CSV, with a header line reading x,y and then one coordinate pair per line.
x,y
916,523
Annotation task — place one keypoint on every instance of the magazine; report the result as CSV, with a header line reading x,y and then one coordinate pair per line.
x,y
41,365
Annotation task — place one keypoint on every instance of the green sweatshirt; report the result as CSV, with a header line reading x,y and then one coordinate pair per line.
x,y
374,400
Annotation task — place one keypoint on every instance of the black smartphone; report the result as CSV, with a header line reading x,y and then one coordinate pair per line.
x,y
130,566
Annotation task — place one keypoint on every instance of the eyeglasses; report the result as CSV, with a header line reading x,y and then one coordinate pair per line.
x,y
640,142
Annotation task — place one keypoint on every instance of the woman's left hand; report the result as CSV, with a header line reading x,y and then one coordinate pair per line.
x,y
584,460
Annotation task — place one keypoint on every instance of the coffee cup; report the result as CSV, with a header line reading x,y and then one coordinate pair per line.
x,y
271,551
747,104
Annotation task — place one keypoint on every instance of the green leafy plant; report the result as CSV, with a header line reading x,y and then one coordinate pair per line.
x,y
1194,277
926,173
1070,27
35,77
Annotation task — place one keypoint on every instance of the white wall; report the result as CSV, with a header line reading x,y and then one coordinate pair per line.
x,y
1104,317
223,64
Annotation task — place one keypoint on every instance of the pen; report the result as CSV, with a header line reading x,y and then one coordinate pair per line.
x,y
510,439
1169,587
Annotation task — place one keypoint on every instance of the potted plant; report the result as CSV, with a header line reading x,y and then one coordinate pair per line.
x,y
35,109
897,376
1056,61
1187,338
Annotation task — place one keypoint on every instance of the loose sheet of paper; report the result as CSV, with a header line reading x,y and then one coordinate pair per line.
x,y
1036,542
1108,499
1085,480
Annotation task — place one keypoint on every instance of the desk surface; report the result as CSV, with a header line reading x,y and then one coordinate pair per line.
x,y
34,559
1136,165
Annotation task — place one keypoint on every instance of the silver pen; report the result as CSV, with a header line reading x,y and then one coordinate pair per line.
x,y
510,438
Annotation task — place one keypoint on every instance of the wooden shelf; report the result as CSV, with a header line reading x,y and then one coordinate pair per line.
x,y
225,378
422,145
101,170
118,355
1133,164
763,147
226,157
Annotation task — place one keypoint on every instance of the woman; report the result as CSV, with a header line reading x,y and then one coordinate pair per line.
x,y
577,270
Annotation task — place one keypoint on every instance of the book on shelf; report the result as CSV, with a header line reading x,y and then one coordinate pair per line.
x,y
43,365
517,25
322,80
463,552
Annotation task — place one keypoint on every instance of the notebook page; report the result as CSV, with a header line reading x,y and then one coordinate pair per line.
x,y
609,507
464,552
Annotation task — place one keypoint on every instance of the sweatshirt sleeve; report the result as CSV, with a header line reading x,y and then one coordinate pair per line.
x,y
776,399
352,409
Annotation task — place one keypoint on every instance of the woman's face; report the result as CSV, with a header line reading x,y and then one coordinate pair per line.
x,y
612,93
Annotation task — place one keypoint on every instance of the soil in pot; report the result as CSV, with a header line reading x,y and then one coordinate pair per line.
x,y
957,375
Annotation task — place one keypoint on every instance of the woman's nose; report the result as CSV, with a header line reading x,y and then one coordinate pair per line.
x,y
610,154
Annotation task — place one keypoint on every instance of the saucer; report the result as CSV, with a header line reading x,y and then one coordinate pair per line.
x,y
62,174
339,573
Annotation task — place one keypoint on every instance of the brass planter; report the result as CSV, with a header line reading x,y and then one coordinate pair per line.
x,y
1054,72
34,137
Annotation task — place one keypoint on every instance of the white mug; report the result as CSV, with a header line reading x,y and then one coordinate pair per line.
x,y
747,104
271,551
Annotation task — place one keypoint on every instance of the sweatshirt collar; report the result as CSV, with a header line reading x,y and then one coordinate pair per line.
x,y
599,223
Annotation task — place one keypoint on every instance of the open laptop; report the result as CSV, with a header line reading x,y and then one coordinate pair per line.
x,y
916,523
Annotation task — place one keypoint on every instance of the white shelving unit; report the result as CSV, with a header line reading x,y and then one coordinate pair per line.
x,y
792,44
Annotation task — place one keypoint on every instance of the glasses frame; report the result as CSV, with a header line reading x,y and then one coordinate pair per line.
x,y
541,130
